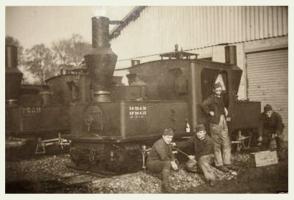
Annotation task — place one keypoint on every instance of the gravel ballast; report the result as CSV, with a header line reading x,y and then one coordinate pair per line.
x,y
53,170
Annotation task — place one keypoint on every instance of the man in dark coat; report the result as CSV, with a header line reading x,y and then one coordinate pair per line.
x,y
161,158
214,107
271,128
203,151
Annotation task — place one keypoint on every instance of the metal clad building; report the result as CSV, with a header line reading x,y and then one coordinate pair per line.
x,y
157,29
268,79
259,32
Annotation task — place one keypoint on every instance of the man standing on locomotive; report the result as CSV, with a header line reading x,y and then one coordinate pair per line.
x,y
161,158
214,107
271,129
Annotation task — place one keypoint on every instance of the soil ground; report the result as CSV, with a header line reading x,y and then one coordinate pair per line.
x,y
269,179
37,176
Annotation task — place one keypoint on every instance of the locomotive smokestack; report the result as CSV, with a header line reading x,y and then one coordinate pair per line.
x,y
10,56
101,61
231,55
13,76
100,32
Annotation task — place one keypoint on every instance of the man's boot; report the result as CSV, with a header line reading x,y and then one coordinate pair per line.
x,y
232,167
165,181
212,183
222,168
166,188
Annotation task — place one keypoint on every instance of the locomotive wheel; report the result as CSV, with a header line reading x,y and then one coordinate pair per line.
x,y
116,160
111,158
127,158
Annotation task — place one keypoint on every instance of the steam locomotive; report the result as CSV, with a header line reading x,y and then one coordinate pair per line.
x,y
112,129
32,121
110,125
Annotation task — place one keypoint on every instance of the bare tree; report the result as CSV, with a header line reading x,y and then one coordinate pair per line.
x,y
70,51
40,61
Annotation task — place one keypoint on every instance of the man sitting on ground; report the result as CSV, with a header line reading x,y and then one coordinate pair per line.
x,y
203,150
161,158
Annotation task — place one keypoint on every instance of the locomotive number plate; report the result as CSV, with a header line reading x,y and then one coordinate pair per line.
x,y
137,112
31,110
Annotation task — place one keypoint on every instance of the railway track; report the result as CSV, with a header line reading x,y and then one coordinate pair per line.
x,y
48,174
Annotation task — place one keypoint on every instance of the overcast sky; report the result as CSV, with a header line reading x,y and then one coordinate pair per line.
x,y
43,24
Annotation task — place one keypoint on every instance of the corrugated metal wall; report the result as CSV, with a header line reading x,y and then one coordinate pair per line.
x,y
268,80
159,28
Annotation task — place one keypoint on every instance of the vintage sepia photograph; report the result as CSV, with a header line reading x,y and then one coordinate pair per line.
x,y
146,99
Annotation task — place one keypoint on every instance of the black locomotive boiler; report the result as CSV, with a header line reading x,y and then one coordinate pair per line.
x,y
111,124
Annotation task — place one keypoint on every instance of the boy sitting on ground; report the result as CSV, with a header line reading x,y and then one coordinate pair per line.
x,y
203,150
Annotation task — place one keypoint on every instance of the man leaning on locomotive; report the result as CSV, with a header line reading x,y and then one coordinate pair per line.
x,y
214,107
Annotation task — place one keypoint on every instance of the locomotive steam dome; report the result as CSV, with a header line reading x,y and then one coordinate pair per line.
x,y
101,60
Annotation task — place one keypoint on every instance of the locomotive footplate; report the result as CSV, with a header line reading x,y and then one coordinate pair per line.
x,y
119,139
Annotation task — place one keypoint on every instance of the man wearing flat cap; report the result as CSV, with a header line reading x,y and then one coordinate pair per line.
x,y
203,151
161,158
271,128
214,107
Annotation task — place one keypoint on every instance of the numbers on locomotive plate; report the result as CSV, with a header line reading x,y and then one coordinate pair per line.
x,y
137,112
31,110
